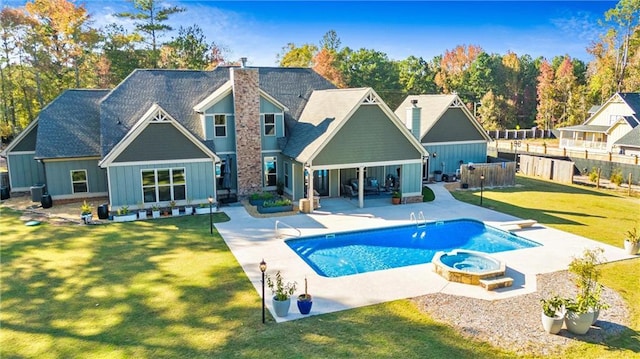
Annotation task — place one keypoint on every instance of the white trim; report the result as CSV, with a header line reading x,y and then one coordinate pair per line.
x,y
385,109
139,163
140,126
452,143
410,194
364,164
263,118
214,97
22,153
273,100
271,151
80,195
23,134
213,124
86,179
156,186
68,159
225,153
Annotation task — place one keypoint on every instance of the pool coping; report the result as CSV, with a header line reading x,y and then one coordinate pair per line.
x,y
252,239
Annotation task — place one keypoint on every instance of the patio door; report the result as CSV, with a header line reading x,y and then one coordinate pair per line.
x,y
321,182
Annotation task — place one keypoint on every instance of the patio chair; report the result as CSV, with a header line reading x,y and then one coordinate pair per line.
x,y
348,191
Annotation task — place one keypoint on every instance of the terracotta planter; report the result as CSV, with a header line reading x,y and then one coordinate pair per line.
x,y
395,200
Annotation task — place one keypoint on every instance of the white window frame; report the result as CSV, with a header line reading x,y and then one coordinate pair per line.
x,y
74,182
267,175
156,187
216,126
264,124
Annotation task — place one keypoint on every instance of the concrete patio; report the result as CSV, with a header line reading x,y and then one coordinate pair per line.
x,y
253,239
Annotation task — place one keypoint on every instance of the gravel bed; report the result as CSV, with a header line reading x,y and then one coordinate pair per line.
x,y
514,323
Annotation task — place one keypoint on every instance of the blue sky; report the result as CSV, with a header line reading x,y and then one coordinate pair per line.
x,y
259,29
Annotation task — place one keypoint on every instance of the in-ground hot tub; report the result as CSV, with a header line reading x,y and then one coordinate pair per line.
x,y
467,267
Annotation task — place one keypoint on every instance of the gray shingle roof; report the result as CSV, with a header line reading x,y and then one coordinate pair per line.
x,y
633,100
178,91
631,139
324,112
70,125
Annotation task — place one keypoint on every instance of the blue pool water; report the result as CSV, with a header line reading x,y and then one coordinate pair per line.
x,y
347,253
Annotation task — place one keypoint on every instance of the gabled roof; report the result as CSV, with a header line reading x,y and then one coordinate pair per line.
x,y
69,126
30,127
632,99
154,114
325,113
179,91
631,139
432,107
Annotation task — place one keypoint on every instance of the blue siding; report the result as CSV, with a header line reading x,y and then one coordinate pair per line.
x,y
59,177
126,182
267,106
24,171
451,155
225,144
411,177
223,106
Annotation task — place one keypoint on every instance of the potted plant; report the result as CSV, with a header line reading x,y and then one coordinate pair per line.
x,y
124,215
175,211
86,212
281,294
632,241
142,212
203,208
583,311
188,209
275,206
396,196
304,300
155,211
552,314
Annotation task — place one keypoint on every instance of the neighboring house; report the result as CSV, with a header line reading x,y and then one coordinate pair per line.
x,y
446,129
173,135
609,129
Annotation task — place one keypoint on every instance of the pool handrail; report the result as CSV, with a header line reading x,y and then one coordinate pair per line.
x,y
420,221
284,224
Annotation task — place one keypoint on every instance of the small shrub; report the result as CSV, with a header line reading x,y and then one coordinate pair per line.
x,y
593,175
86,208
616,177
261,196
427,194
277,203
124,210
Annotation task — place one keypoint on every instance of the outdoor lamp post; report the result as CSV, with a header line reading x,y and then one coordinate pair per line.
x,y
263,268
210,214
481,187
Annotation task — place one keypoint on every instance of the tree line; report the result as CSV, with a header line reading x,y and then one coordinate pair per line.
x,y
48,46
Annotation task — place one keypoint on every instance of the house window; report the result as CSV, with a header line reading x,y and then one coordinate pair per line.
x,y
79,181
164,185
286,175
270,173
269,124
220,125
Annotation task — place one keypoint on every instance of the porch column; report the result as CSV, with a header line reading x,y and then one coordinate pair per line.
x,y
361,187
310,189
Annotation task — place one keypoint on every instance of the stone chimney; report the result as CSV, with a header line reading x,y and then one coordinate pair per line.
x,y
246,102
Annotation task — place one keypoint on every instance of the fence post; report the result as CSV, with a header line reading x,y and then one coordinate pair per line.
x,y
609,156
629,190
598,181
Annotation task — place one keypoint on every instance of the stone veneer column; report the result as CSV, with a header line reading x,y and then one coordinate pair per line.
x,y
246,98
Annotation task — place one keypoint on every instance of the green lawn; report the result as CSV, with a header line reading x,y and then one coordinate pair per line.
x,y
167,288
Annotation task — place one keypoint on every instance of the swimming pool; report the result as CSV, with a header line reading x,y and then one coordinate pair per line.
x,y
347,253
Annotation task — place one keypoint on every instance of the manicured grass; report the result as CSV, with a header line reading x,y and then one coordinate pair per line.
x,y
167,288
597,214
